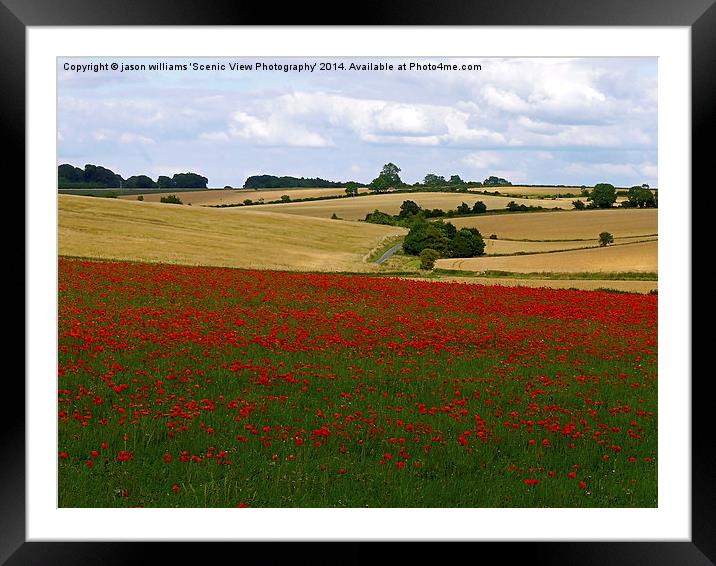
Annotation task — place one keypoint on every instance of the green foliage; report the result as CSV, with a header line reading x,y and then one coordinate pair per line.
x,y
189,181
425,235
433,180
479,207
388,178
463,208
467,243
578,204
139,182
603,195
427,258
285,198
140,197
248,202
164,182
605,238
641,197
171,199
351,188
378,217
408,208
493,181
273,182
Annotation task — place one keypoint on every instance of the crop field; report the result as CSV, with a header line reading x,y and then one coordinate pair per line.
x,y
237,196
184,386
506,247
357,208
636,257
519,190
142,231
568,225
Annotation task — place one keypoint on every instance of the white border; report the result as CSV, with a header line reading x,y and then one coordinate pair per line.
x,y
670,521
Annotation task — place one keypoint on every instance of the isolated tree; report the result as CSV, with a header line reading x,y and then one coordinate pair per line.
x,y
641,197
428,257
285,198
605,238
351,188
603,195
140,197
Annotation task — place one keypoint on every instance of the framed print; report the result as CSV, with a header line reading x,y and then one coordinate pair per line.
x,y
389,281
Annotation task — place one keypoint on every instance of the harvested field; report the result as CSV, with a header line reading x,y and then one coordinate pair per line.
x,y
503,247
142,231
640,257
518,190
357,208
568,225
237,196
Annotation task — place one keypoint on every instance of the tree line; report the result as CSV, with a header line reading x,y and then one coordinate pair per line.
x,y
96,176
285,182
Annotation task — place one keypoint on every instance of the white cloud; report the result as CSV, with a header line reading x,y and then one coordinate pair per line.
x,y
482,160
128,137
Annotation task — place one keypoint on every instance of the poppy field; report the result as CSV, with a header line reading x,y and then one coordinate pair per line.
x,y
214,387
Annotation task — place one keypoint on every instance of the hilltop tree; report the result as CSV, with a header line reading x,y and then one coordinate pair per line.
x,y
164,182
140,182
432,180
388,178
189,181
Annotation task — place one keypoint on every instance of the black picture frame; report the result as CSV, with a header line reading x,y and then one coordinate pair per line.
x,y
699,15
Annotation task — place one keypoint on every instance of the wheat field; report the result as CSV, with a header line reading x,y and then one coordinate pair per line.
x,y
145,231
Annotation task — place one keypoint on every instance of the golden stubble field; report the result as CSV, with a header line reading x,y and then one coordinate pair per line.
x,y
237,196
357,208
568,225
145,231
638,257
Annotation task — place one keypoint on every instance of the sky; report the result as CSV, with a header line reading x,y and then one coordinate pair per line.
x,y
576,121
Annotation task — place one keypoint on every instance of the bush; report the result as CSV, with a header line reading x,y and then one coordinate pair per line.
x,y
605,238
140,197
334,216
479,207
467,243
427,258
171,199
285,198
248,202
578,204
493,236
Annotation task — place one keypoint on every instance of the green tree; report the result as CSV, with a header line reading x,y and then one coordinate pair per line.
x,y
378,217
351,188
140,197
463,208
164,182
388,178
578,204
641,197
456,180
427,258
605,238
467,243
432,180
189,181
285,198
479,207
409,208
139,182
603,195
425,235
